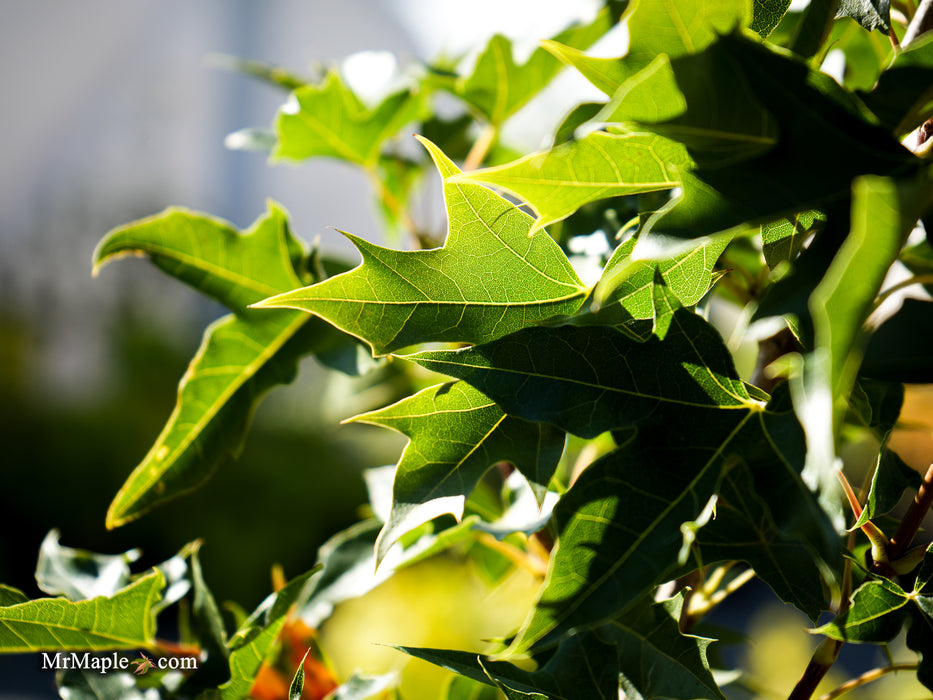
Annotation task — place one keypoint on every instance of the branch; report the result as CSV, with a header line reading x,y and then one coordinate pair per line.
x,y
917,511
867,677
921,22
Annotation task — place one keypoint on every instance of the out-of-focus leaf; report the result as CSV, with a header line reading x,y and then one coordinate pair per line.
x,y
456,433
210,631
875,615
583,668
93,685
267,72
816,122
919,260
11,596
871,14
767,14
251,139
330,120
253,641
655,659
122,621
867,54
903,97
559,181
489,279
899,350
524,513
589,379
242,356
349,564
362,687
464,688
497,87
920,639
883,213
78,574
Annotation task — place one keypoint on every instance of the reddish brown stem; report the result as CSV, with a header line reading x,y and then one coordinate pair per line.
x,y
913,518
823,659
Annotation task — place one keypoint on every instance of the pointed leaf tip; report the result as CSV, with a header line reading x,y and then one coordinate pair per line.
x,y
445,166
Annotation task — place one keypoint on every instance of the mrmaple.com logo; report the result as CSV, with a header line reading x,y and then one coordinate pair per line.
x,y
105,663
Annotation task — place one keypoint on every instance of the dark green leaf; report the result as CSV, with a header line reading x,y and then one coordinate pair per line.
x,y
745,530
122,621
899,350
330,120
891,478
591,379
456,433
489,279
816,124
656,660
657,27
875,615
920,639
903,97
871,14
583,668
210,630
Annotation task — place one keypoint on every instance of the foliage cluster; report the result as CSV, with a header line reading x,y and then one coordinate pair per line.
x,y
597,432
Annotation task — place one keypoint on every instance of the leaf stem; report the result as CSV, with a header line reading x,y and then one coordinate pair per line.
x,y
909,282
867,677
514,554
481,147
917,511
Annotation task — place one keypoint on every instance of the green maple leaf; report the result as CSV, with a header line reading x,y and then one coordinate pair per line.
x,y
489,279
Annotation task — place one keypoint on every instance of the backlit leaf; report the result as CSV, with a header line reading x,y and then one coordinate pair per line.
x,y
875,615
767,14
122,621
490,278
456,433
883,213
559,181
498,87
658,27
242,355
330,120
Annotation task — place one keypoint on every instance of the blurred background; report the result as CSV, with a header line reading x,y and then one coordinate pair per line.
x,y
112,111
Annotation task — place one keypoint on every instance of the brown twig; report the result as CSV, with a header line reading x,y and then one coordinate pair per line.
x,y
914,516
866,677
921,22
